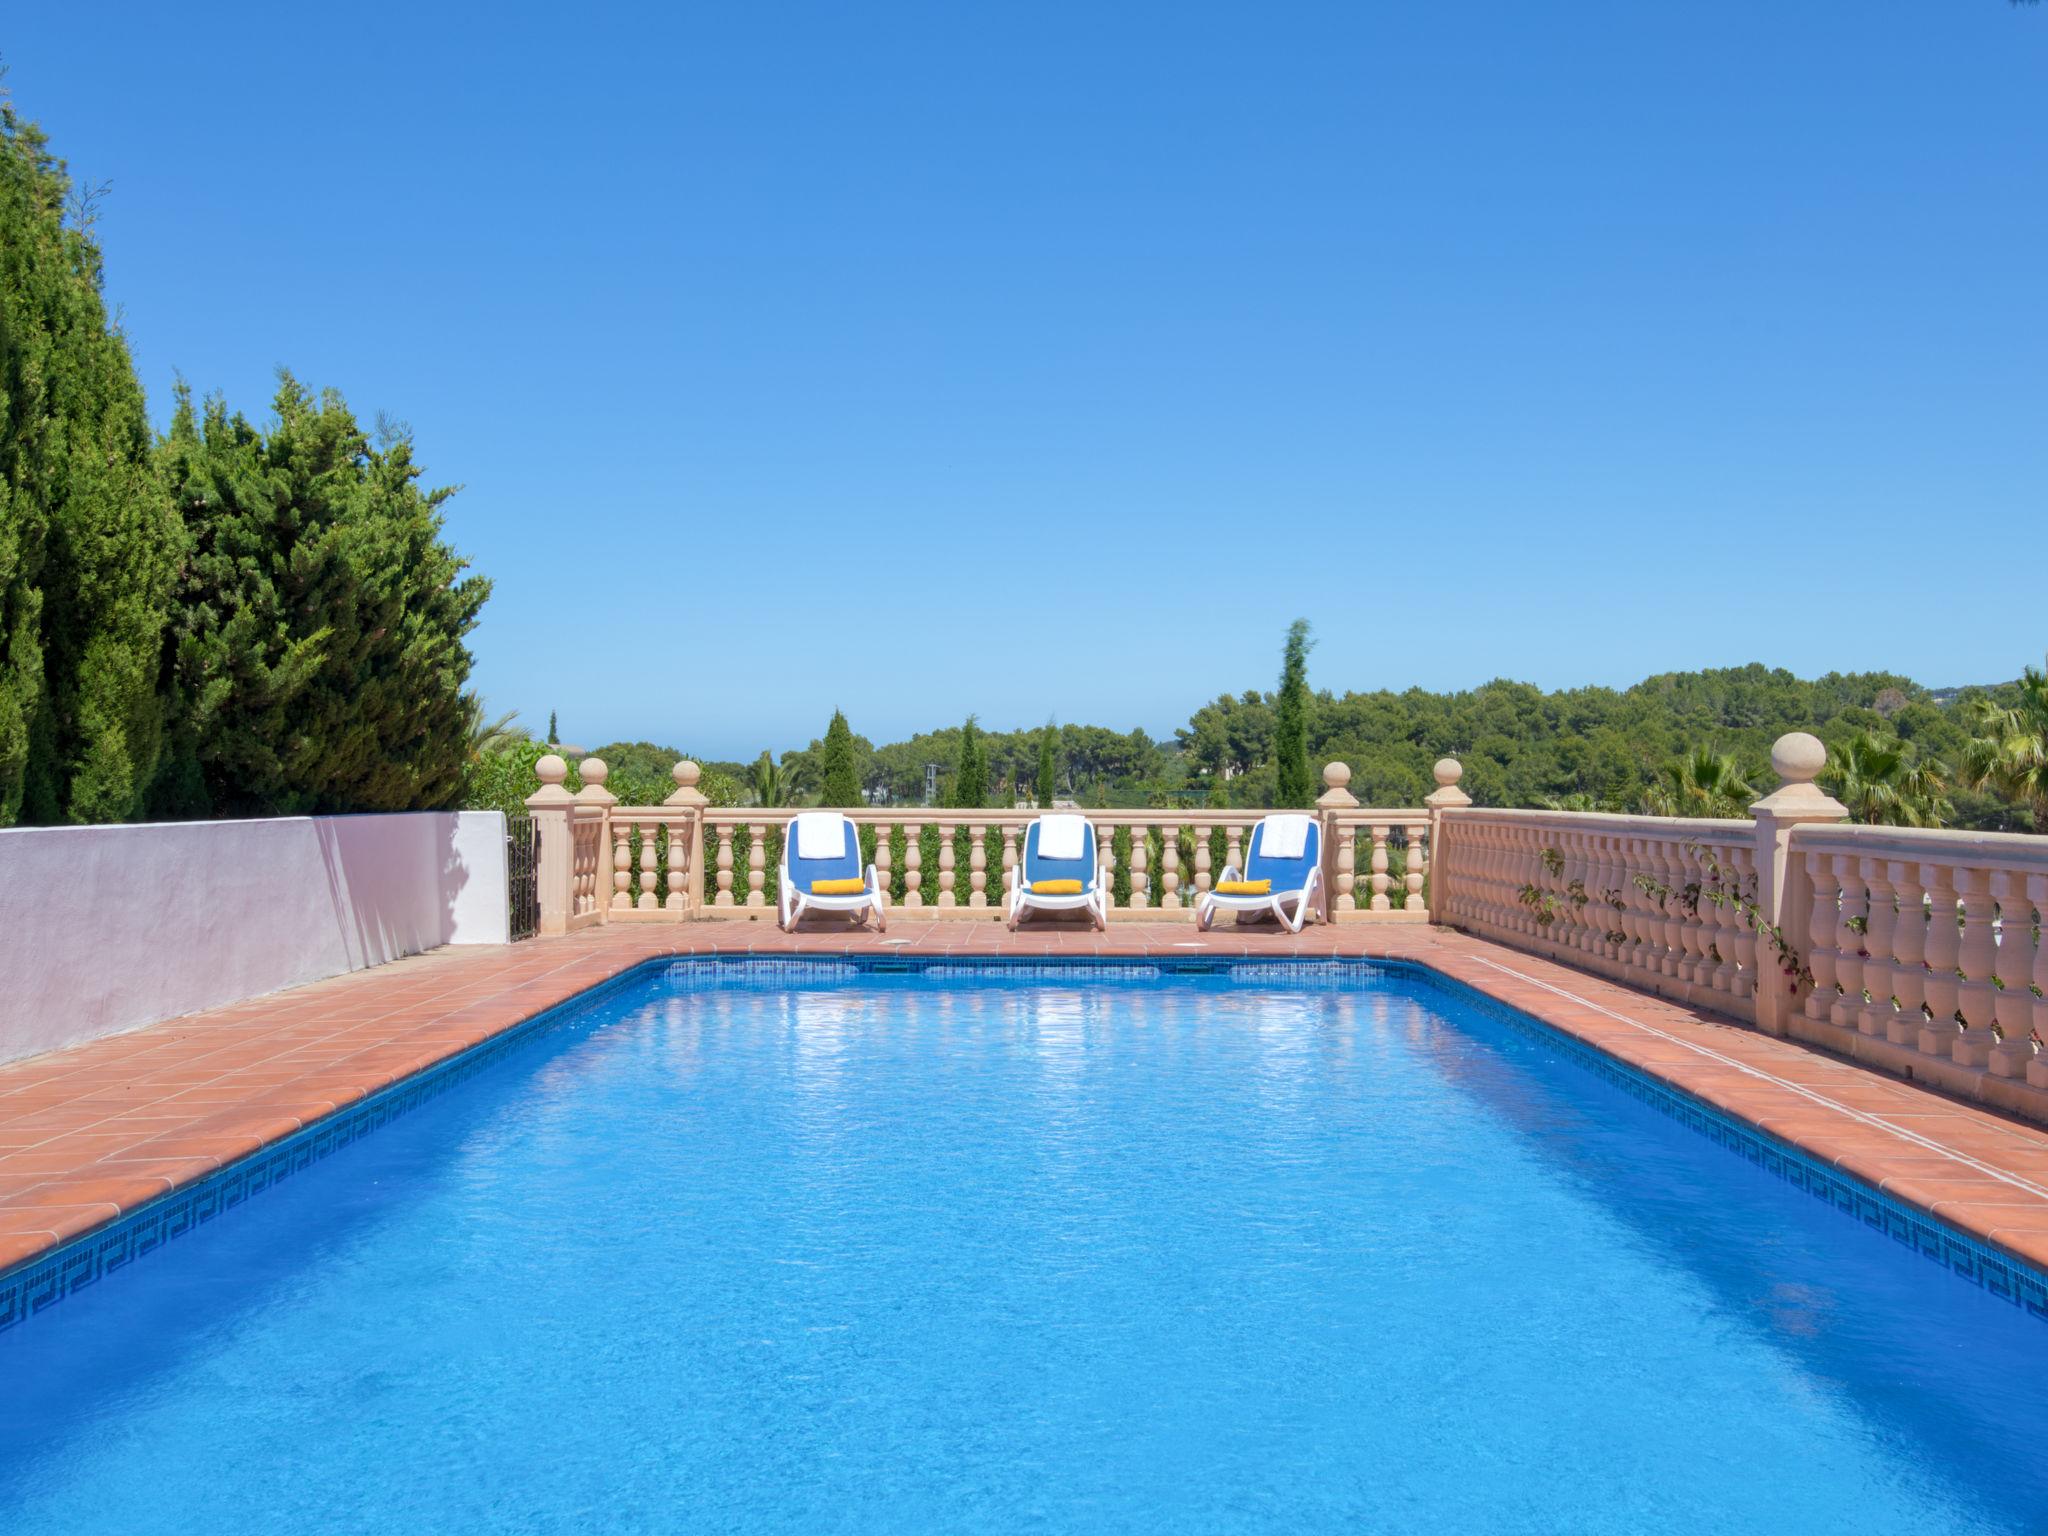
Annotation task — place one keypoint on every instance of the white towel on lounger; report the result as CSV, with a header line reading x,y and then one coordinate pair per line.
x,y
1062,837
1286,837
820,835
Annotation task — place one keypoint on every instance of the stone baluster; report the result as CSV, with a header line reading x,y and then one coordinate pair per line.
x,y
977,866
1012,852
650,860
1105,858
948,857
1977,997
1418,867
677,899
1909,953
1671,873
1141,856
1204,877
1855,913
1381,880
757,863
1345,840
885,861
1233,849
913,865
1718,970
2014,1006
622,864
1944,947
1880,936
1687,932
1750,964
2037,1068
724,897
1823,935
1169,867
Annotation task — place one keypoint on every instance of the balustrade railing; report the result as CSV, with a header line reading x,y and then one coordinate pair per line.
x,y
1668,904
686,859
1931,942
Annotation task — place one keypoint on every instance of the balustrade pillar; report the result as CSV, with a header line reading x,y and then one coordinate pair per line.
x,y
649,863
913,865
678,869
1169,867
1380,879
1345,839
1823,935
948,858
1854,913
1204,879
977,866
757,864
1233,850
622,865
1909,953
885,860
2037,1068
1737,904
1944,946
1880,935
2013,1008
1416,872
1141,856
551,807
724,897
1977,995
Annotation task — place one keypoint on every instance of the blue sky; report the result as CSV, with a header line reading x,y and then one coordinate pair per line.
x,y
1046,360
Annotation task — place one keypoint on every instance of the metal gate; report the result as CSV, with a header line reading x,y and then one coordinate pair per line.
x,y
522,869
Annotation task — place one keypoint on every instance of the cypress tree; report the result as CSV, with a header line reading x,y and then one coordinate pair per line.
x,y
1047,770
1294,785
840,777
88,545
318,658
554,736
970,773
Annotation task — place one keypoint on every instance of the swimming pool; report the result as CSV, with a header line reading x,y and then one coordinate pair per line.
x,y
808,1246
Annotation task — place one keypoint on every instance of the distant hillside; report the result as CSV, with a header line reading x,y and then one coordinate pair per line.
x,y
1520,745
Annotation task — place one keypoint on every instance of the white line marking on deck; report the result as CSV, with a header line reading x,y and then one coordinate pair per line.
x,y
1912,1137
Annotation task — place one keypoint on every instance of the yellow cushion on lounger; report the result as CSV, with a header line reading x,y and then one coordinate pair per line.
x,y
1055,887
838,887
1244,887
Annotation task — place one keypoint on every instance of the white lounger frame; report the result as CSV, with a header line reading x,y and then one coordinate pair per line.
x,y
792,904
1094,899
1209,903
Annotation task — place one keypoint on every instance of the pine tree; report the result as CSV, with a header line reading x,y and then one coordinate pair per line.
x,y
1048,770
88,544
318,657
839,777
1294,785
970,772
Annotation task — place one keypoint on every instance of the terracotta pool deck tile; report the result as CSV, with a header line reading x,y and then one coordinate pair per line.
x,y
125,1116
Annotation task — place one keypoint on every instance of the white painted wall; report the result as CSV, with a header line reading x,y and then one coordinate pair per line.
x,y
104,929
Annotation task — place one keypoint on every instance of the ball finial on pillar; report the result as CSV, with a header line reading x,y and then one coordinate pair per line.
x,y
1798,757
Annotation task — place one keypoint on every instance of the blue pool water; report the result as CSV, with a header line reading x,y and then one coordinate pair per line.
x,y
905,1254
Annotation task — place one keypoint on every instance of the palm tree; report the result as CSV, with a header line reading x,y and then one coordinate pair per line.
x,y
769,786
1702,783
487,735
1875,776
2010,752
